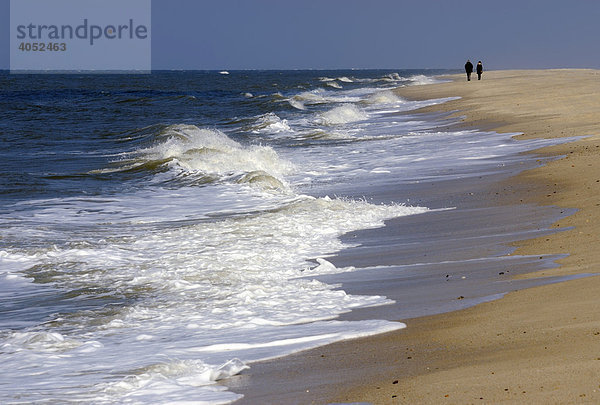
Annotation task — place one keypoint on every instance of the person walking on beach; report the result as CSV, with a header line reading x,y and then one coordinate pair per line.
x,y
479,70
468,69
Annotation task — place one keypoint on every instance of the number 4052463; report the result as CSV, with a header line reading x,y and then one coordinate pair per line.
x,y
43,46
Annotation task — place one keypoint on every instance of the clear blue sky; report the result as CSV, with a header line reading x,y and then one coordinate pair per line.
x,y
324,34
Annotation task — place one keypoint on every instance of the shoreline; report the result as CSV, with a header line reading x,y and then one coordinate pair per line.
x,y
535,345
495,351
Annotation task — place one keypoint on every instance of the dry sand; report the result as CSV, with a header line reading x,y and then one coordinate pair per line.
x,y
540,345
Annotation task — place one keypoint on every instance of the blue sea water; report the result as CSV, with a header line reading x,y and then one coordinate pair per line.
x,y
159,232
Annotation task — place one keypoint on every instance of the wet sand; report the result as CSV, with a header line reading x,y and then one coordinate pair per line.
x,y
536,345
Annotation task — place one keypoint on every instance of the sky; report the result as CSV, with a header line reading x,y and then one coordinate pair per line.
x,y
386,34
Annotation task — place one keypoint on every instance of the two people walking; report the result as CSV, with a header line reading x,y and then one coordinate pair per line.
x,y
469,69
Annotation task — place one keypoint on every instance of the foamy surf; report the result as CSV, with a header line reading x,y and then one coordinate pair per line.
x,y
171,246
189,283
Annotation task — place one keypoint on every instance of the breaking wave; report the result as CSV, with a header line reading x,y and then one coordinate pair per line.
x,y
270,123
342,115
209,153
384,97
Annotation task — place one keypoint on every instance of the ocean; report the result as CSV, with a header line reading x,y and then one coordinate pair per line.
x,y
160,232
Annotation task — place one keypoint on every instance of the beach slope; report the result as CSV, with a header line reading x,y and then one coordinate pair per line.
x,y
540,345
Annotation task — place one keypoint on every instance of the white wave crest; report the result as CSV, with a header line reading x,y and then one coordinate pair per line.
x,y
270,123
384,97
210,152
342,115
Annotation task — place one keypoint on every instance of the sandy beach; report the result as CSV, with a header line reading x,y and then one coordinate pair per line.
x,y
535,345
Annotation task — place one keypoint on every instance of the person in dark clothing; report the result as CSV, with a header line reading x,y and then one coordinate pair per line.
x,y
468,69
479,70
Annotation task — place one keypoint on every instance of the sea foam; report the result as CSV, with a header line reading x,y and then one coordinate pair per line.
x,y
200,287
